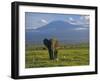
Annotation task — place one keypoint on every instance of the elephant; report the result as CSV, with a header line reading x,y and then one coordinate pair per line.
x,y
52,46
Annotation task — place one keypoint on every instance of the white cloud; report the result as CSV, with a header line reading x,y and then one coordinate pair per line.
x,y
71,19
30,28
83,20
74,22
86,17
37,24
44,21
81,29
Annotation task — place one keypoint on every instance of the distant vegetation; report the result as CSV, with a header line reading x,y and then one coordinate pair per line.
x,y
67,46
68,55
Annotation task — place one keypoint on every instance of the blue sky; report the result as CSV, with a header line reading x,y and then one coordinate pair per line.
x,y
37,20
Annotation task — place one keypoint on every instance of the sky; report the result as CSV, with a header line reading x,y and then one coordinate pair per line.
x,y
35,20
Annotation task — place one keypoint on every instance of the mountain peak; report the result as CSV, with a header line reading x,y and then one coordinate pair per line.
x,y
57,25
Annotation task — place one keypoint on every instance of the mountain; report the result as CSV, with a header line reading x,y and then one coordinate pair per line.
x,y
63,31
57,25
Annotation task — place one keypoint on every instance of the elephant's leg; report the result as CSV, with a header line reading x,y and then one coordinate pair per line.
x,y
50,54
56,54
53,54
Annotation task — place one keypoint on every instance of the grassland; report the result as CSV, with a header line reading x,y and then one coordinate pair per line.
x,y
68,55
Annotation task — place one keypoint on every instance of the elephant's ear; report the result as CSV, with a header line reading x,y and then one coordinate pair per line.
x,y
46,43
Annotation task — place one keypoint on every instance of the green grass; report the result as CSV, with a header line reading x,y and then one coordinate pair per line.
x,y
66,57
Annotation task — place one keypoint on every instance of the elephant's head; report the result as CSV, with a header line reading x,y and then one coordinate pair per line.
x,y
51,44
47,43
54,43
